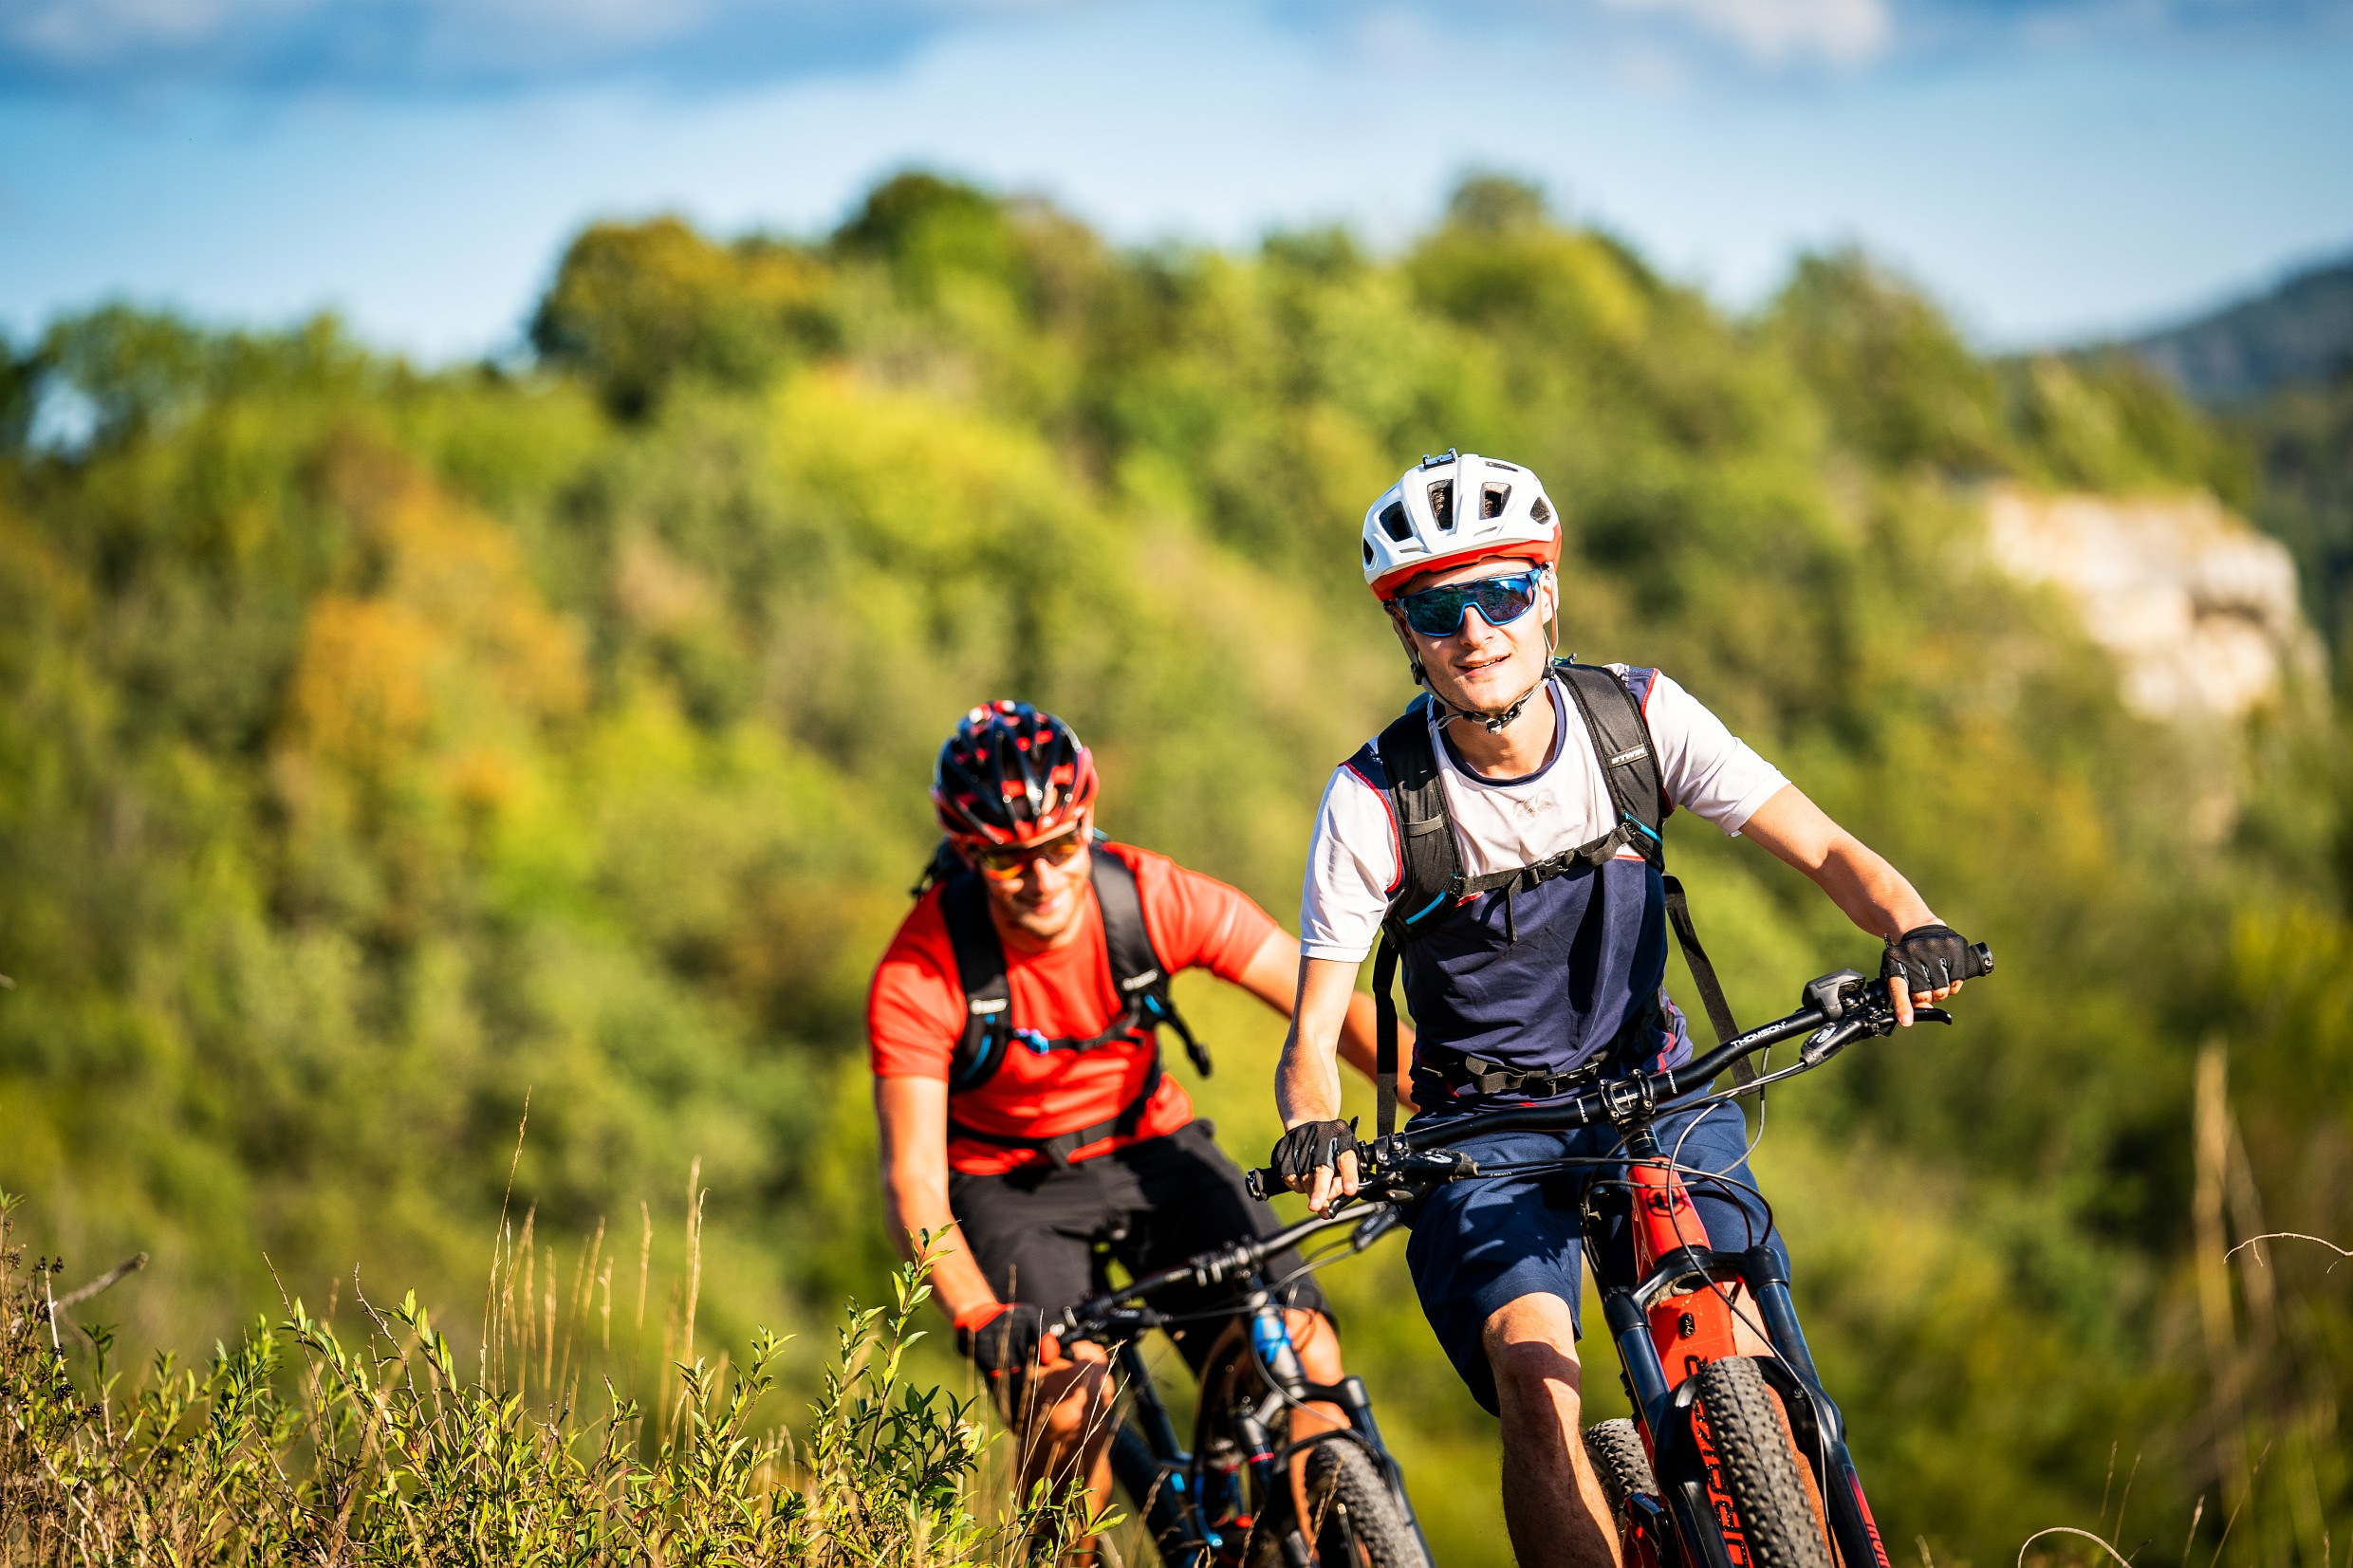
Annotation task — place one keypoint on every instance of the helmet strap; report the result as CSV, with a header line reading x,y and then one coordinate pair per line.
x,y
1494,718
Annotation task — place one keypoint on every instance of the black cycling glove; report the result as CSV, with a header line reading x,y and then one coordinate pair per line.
x,y
1297,1152
1006,1336
1931,958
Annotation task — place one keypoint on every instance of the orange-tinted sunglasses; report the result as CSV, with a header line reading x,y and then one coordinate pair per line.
x,y
1006,862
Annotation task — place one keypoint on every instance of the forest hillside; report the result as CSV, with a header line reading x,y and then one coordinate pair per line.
x,y
379,747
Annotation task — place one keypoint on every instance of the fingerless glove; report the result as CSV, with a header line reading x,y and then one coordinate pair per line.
x,y
1930,958
1003,1336
1298,1152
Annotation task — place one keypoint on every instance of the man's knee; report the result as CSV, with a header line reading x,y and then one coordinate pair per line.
x,y
1317,1342
1531,1351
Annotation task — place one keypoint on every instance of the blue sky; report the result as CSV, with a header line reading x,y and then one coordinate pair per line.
x,y
2049,168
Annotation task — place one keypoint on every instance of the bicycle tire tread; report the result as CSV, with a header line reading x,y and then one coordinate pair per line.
x,y
1621,1462
1760,1466
1341,1475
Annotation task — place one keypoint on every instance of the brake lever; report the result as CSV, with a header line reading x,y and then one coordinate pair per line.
x,y
1876,1017
1831,1038
1373,1226
1113,1320
1392,1158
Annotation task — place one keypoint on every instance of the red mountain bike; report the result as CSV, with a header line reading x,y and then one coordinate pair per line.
x,y
1731,1461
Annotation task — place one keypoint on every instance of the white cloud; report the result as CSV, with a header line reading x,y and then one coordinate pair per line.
x,y
398,44
76,32
1845,32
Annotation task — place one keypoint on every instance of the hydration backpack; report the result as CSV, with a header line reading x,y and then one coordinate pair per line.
x,y
1139,977
1403,765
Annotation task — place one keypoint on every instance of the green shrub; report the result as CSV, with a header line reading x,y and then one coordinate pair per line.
x,y
295,1447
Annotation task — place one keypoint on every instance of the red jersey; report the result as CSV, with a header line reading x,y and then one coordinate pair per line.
x,y
914,1013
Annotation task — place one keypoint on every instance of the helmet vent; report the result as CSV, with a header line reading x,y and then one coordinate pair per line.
x,y
1368,552
1393,521
1540,511
1442,506
1493,498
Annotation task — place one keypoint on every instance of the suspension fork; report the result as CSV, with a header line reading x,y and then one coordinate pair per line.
x,y
1858,1533
1270,1337
1270,1341
1661,1347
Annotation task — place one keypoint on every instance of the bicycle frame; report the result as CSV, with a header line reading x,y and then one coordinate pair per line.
x,y
1673,1318
1199,1503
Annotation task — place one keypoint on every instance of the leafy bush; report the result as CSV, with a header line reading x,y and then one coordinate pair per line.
x,y
292,1446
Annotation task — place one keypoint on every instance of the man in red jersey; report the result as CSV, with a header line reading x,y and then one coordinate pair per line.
x,y
1014,1029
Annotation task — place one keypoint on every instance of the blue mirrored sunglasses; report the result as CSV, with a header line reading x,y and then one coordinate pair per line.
x,y
1437,612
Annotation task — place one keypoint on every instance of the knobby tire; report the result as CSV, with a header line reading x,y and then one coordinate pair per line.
x,y
1357,1519
1761,1465
1621,1462
1352,1522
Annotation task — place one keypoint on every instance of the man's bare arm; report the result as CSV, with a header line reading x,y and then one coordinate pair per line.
x,y
1858,878
913,1112
1307,1081
1273,978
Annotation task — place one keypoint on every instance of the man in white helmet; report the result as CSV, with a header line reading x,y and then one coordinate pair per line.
x,y
1548,972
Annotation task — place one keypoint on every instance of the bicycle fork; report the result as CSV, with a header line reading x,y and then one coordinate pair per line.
x,y
1271,1339
1671,1321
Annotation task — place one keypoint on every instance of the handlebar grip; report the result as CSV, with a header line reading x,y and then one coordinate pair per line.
x,y
1980,961
1264,1182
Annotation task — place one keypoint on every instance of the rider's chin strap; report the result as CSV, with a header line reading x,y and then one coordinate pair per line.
x,y
1494,718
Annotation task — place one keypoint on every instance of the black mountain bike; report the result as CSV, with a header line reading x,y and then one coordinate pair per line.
x,y
1237,1498
1731,1459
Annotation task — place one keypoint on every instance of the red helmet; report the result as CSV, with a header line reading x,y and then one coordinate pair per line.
x,y
1011,775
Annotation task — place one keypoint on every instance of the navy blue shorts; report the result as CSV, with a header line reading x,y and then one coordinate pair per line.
x,y
1482,1244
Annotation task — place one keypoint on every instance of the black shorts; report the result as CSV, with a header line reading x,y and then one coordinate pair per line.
x,y
1034,1231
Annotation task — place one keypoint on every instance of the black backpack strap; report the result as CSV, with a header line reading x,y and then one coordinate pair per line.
x,y
1135,968
945,867
1384,1037
1622,740
1703,973
1403,765
980,971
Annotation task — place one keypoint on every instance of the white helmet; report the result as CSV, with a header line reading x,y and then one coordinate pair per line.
x,y
1451,509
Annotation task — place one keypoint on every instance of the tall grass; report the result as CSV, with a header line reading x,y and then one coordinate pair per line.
x,y
294,1444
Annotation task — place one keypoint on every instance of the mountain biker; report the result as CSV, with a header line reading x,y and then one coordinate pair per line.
x,y
1018,1080
1552,976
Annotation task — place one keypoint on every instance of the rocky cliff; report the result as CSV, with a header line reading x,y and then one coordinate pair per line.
x,y
2199,610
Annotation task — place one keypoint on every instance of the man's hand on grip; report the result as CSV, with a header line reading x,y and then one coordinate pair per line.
x,y
1318,1158
1006,1336
1925,965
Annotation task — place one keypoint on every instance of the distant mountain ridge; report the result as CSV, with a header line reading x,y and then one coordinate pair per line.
x,y
2298,333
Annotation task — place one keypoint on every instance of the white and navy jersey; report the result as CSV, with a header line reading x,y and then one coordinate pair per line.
x,y
1544,984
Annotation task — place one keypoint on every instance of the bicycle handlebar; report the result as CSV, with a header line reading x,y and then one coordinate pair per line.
x,y
1087,1318
1837,1010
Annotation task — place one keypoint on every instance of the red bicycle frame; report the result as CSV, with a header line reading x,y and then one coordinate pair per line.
x,y
1676,1317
